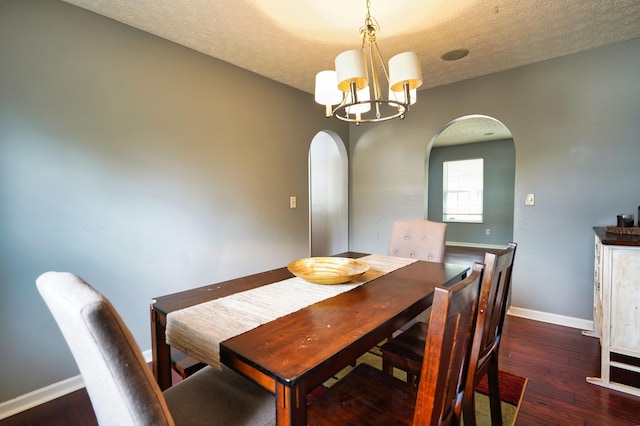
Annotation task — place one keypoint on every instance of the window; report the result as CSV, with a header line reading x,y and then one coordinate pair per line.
x,y
462,190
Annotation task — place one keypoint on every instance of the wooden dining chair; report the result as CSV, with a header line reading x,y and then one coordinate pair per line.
x,y
120,384
418,239
367,396
406,352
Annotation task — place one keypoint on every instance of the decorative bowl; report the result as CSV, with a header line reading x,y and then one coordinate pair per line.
x,y
328,270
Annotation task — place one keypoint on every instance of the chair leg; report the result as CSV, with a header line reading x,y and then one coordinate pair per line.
x,y
494,391
413,379
387,368
469,406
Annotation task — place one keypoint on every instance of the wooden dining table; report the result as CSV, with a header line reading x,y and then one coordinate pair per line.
x,y
294,354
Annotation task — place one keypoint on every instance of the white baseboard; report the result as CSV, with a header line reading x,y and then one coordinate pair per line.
x,y
47,393
40,396
563,320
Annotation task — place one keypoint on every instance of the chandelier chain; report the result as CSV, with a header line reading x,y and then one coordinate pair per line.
x,y
370,27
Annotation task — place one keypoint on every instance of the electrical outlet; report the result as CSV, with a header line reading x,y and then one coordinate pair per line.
x,y
530,200
487,231
292,202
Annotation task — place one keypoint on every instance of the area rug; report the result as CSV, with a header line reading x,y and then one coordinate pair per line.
x,y
512,388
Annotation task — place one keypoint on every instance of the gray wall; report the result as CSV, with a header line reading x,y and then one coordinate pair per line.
x,y
575,122
141,165
499,180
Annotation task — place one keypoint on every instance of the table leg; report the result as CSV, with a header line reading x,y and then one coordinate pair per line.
x,y
161,352
291,404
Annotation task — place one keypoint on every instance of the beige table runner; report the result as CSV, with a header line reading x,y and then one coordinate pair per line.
x,y
198,330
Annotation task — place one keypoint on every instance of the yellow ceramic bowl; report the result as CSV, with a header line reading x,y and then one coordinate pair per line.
x,y
328,270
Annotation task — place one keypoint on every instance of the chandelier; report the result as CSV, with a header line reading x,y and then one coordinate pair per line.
x,y
353,92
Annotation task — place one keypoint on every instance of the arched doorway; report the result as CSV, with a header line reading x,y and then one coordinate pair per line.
x,y
328,195
468,137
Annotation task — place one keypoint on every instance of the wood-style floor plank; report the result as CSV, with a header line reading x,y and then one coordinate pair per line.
x,y
557,361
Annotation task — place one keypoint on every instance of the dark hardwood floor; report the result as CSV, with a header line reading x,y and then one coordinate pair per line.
x,y
555,359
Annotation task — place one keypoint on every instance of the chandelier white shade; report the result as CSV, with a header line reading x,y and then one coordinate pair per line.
x,y
400,96
362,106
351,67
404,68
353,92
327,92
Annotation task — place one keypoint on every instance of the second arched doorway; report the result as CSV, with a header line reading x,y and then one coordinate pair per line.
x,y
328,195
465,138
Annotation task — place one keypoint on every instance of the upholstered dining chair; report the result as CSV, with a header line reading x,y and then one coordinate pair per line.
x,y
419,239
406,352
367,396
120,384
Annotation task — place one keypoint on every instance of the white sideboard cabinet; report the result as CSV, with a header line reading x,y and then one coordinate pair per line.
x,y
616,309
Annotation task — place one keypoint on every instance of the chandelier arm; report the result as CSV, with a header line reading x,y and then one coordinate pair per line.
x,y
399,112
374,74
382,64
354,92
407,93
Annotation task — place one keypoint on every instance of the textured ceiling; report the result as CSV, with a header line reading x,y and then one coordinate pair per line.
x,y
291,40
472,129
255,34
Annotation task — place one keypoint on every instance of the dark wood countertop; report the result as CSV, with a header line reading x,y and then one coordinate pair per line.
x,y
610,238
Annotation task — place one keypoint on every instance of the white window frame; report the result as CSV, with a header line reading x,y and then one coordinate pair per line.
x,y
463,190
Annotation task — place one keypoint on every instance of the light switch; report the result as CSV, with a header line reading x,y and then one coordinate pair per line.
x,y
530,200
292,202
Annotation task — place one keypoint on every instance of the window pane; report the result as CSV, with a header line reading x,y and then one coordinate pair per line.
x,y
463,185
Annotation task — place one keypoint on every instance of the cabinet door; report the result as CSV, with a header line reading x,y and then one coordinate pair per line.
x,y
625,301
